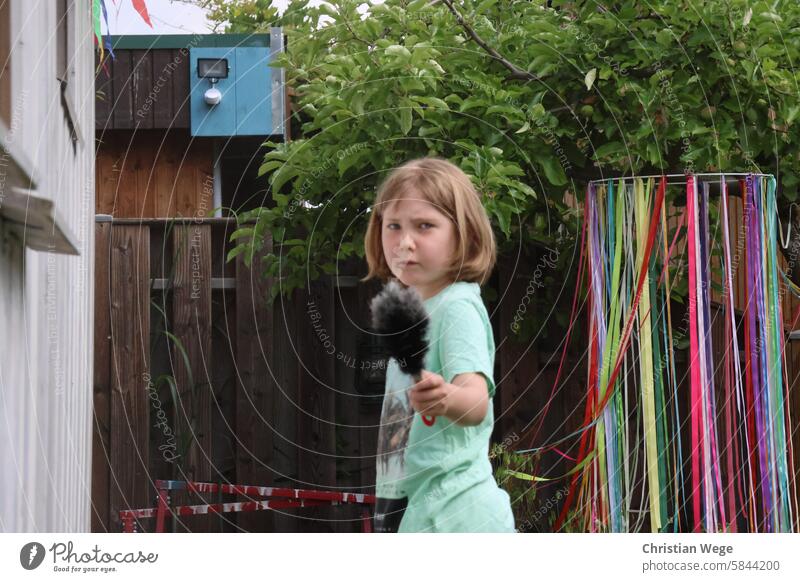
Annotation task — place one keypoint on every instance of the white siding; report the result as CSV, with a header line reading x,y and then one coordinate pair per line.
x,y
46,299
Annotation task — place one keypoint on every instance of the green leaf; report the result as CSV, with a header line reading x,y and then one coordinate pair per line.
x,y
293,242
428,130
405,120
553,170
236,251
522,187
432,102
609,149
348,161
589,79
472,103
240,232
269,166
417,5
283,175
398,51
771,16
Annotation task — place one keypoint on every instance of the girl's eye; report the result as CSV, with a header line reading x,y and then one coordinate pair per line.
x,y
423,225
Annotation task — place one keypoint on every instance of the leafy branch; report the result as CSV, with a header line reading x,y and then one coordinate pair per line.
x,y
516,72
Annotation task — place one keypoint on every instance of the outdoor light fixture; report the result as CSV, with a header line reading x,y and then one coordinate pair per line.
x,y
213,70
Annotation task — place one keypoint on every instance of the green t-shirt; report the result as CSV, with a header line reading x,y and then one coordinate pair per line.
x,y
444,469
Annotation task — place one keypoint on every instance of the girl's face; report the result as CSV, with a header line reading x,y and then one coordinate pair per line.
x,y
419,242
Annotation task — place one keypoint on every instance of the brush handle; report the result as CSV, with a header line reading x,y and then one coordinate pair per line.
x,y
428,420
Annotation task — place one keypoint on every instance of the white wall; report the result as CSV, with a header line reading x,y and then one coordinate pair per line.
x,y
46,299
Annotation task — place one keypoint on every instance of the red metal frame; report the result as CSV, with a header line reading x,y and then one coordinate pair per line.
x,y
277,498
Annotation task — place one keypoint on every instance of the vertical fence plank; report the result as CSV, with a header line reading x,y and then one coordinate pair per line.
x,y
191,308
170,159
142,200
144,98
100,427
315,333
130,341
127,201
255,419
519,364
104,90
286,406
107,171
369,414
354,414
162,73
180,88
122,106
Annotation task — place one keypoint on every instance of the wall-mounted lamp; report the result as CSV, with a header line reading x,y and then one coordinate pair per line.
x,y
213,70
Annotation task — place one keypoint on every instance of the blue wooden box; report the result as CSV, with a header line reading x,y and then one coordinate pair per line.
x,y
252,101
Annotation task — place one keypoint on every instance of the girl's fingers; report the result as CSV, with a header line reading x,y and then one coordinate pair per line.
x,y
426,396
432,381
427,401
428,408
427,393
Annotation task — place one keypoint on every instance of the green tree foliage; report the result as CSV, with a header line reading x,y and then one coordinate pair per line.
x,y
628,87
240,16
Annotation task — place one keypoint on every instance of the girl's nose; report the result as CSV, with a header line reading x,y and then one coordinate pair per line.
x,y
405,243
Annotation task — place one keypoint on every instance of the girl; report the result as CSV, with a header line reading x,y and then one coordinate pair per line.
x,y
429,230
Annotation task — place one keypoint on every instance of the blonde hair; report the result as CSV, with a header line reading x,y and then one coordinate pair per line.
x,y
446,186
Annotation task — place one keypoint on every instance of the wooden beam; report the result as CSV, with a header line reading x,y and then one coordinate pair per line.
x,y
255,403
163,68
229,283
102,380
315,332
145,100
122,106
519,363
180,89
130,341
285,439
191,325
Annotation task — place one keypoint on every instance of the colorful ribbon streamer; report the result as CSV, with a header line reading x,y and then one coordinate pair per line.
x,y
729,397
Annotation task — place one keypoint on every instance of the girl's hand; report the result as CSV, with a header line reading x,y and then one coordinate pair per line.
x,y
429,395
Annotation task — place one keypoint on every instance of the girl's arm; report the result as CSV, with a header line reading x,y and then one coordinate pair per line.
x,y
465,401
468,402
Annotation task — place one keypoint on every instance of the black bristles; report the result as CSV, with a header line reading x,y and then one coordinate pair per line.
x,y
400,317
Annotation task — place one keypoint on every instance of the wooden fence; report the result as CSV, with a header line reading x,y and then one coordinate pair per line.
x,y
261,397
196,378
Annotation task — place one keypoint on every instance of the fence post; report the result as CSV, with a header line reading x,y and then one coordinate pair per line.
x,y
130,348
191,360
255,396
